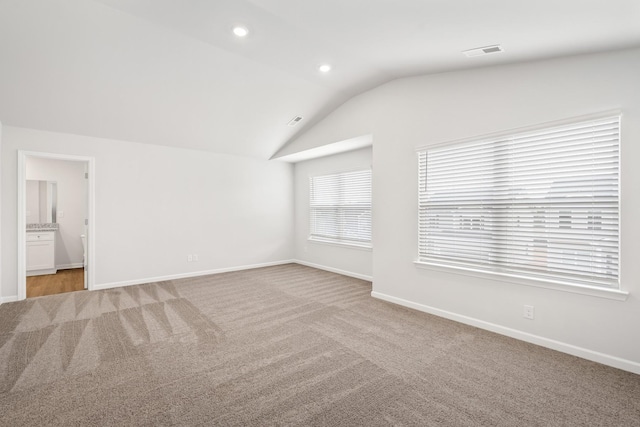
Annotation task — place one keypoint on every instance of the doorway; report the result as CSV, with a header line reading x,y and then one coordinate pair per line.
x,y
55,223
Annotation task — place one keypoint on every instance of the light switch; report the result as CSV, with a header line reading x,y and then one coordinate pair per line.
x,y
60,214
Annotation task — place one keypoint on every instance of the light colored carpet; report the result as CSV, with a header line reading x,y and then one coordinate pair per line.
x,y
285,345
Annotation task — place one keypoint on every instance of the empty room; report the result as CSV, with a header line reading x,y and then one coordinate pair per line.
x,y
334,213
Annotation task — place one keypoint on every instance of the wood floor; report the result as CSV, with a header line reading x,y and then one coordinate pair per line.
x,y
49,284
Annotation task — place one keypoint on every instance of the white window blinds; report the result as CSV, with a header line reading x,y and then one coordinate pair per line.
x,y
340,207
540,204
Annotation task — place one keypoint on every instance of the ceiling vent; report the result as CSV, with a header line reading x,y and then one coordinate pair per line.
x,y
294,121
478,51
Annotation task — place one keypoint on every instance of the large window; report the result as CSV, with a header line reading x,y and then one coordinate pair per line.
x,y
340,207
541,204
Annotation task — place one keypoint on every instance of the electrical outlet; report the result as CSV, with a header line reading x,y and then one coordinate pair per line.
x,y
528,312
189,258
195,258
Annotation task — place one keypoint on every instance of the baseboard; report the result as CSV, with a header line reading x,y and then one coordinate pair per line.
x,y
605,359
188,275
8,299
227,270
70,266
45,272
334,270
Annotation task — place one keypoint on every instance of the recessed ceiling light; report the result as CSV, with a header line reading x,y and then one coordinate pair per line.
x,y
240,31
324,68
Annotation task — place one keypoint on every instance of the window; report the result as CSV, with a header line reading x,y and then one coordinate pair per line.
x,y
340,206
540,205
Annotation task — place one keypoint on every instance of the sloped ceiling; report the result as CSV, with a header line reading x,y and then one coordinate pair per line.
x,y
171,72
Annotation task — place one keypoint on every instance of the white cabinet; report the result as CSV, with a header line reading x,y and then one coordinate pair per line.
x,y
41,253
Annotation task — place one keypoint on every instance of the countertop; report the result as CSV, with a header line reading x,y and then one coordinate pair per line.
x,y
31,228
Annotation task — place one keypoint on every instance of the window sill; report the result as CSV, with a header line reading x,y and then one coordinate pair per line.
x,y
613,294
352,245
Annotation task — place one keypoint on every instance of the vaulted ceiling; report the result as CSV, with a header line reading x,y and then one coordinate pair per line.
x,y
171,72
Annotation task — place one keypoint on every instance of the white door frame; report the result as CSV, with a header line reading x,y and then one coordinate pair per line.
x,y
22,211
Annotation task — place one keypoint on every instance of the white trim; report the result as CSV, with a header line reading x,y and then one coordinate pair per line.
x,y
1,192
22,226
188,275
9,299
605,359
21,264
44,272
334,270
70,266
594,291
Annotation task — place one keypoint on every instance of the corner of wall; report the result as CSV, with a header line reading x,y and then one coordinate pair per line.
x,y
1,198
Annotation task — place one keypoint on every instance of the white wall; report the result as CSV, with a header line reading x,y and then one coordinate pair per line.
x,y
71,202
418,111
349,260
155,205
32,189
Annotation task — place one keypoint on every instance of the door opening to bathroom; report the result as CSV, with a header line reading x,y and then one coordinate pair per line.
x,y
55,193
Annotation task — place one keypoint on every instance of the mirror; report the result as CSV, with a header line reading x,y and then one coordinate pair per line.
x,y
42,198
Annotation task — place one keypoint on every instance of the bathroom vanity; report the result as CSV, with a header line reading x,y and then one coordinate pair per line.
x,y
41,250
